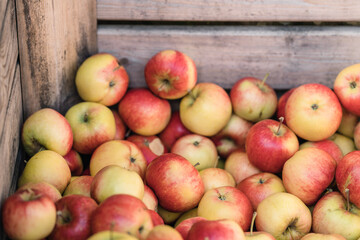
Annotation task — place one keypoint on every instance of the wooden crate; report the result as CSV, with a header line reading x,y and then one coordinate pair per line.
x,y
43,42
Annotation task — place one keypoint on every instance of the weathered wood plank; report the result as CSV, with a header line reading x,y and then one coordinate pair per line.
x,y
292,55
229,10
55,37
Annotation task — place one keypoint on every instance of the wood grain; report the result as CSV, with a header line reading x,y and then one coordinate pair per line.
x,y
55,38
229,10
292,55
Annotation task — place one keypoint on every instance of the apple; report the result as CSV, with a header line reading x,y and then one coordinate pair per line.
x,y
357,136
188,214
284,216
44,188
73,217
168,216
199,150
120,126
111,235
118,152
122,213
257,235
348,123
319,236
232,136
155,218
92,124
46,129
313,112
28,214
150,146
308,173
184,226
170,74
269,144
149,199
346,87
101,79
223,229
239,166
259,186
206,109
280,111
253,99
46,166
113,180
86,172
346,144
348,176
164,232
81,185
216,177
175,181
75,163
332,214
143,112
327,145
226,203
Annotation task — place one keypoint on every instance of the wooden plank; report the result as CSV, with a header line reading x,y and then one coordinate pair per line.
x,y
229,10
292,55
55,37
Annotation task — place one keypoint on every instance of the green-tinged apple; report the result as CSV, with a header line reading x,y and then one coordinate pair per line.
x,y
308,173
111,235
223,229
28,214
280,111
46,129
216,177
122,213
332,214
226,203
199,150
346,144
149,199
112,180
269,144
168,216
238,165
164,232
143,112
170,74
313,112
348,176
92,124
44,188
357,136
206,109
81,185
347,88
175,181
46,166
348,123
120,126
150,146
155,218
75,162
319,236
101,79
253,99
73,215
184,226
327,145
251,235
284,216
232,136
188,214
259,186
118,152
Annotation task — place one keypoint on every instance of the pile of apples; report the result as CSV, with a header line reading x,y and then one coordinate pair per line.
x,y
183,159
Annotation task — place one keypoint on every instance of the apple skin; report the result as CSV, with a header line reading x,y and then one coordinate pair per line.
x,y
170,74
348,123
155,218
253,99
357,136
120,126
73,217
206,109
101,79
188,214
346,87
164,232
313,112
199,150
308,173
184,227
216,177
330,216
259,186
46,129
150,199
111,235
174,130
143,112
80,186
92,124
258,236
319,236
269,146
28,214
47,166
348,176
44,188
217,229
122,213
175,182
328,146
75,163
280,111
346,144
168,216
284,216
226,203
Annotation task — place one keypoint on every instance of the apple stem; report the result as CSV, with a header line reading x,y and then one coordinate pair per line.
x,y
281,119
347,193
252,223
264,80
196,164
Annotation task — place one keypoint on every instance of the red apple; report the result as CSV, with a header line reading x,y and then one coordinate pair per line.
x,y
184,227
120,126
44,188
164,232
75,163
170,74
259,235
280,112
357,136
216,177
319,236
111,235
327,145
150,199
155,218
80,185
